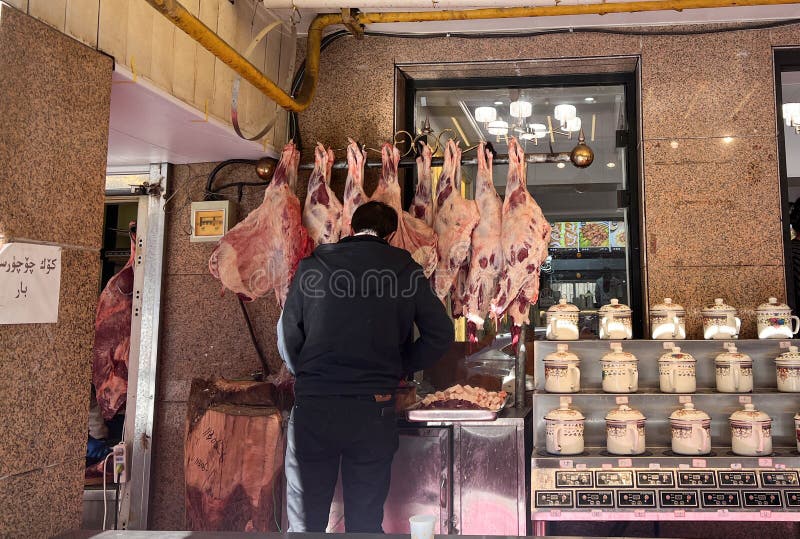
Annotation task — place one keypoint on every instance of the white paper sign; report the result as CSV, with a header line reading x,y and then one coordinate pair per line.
x,y
30,281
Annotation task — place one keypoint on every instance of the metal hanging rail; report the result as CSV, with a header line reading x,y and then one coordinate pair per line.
x,y
559,157
354,21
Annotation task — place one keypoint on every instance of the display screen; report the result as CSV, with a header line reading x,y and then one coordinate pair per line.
x,y
588,235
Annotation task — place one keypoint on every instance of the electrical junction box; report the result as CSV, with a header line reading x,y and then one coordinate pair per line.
x,y
211,219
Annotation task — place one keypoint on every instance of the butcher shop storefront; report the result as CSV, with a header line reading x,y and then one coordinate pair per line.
x,y
596,201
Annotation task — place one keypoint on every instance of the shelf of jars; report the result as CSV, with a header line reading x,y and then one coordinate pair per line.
x,y
667,429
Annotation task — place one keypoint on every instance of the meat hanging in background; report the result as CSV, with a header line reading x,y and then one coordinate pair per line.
x,y
422,205
261,253
112,337
525,240
354,195
322,215
454,220
412,234
486,258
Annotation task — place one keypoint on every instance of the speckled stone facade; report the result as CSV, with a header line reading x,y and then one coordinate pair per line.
x,y
54,114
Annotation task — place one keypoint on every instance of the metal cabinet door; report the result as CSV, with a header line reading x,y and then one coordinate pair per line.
x,y
420,482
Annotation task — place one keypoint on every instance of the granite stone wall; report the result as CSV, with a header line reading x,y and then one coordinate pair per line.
x,y
54,109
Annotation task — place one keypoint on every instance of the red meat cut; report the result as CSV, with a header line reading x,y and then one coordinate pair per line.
x,y
112,338
322,215
422,205
354,195
261,253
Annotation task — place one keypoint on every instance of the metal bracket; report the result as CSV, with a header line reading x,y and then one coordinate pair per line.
x,y
350,21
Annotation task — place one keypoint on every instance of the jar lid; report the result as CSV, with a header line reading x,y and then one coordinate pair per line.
x,y
615,307
689,413
719,307
773,304
563,307
617,355
750,415
732,356
668,306
676,356
564,413
624,413
562,354
791,357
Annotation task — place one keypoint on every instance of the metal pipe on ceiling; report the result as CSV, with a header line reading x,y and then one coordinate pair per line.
x,y
175,12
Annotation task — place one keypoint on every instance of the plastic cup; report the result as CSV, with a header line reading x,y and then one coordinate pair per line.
x,y
422,526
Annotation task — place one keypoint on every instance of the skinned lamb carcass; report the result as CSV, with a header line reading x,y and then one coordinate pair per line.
x,y
112,338
354,195
322,214
261,252
422,205
525,240
486,257
412,234
454,220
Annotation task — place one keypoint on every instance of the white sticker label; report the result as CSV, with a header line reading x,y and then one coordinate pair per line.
x,y
597,513
683,466
745,399
765,463
669,345
780,466
607,466
625,463
723,513
655,466
622,400
581,466
736,466
640,513
766,514
679,513
698,463
785,344
685,399
555,512
566,463
565,401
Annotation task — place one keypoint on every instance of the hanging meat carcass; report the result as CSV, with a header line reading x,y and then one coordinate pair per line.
x,y
112,337
454,220
412,234
525,240
322,215
354,195
261,253
422,205
486,258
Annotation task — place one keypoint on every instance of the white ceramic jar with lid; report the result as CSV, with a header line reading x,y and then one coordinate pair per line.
x,y
620,371
720,321
691,431
677,372
615,321
564,430
667,321
734,372
775,320
562,322
625,434
797,429
751,432
561,371
787,367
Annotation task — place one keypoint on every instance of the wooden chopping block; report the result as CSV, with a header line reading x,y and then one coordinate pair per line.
x,y
233,459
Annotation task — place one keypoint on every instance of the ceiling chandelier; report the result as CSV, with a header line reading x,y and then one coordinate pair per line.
x,y
791,116
519,110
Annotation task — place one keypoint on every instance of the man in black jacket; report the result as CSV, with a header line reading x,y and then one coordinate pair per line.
x,y
347,334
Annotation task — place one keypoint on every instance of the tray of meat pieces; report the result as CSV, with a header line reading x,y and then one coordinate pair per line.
x,y
459,403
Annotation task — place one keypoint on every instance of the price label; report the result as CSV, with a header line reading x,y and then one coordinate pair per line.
x,y
683,466
655,466
640,513
685,399
622,400
745,399
736,466
669,345
597,513
723,513
625,463
581,466
785,344
679,513
765,463
565,463
607,466
766,514
698,463
555,513
780,466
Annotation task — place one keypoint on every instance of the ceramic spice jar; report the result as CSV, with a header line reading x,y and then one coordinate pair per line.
x,y
620,371
677,372
667,321
561,371
787,366
691,431
720,321
564,430
775,320
625,433
734,372
562,322
751,432
615,321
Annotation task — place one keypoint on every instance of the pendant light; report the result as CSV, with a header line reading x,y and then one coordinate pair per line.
x,y
521,109
498,128
485,115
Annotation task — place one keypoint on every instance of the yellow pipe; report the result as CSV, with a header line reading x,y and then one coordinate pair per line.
x,y
198,31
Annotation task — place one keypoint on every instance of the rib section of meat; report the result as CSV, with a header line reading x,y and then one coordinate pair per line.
x,y
261,253
412,234
454,220
422,205
354,195
486,258
322,215
525,239
112,338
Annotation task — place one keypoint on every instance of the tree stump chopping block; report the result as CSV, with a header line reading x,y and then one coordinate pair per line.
x,y
233,460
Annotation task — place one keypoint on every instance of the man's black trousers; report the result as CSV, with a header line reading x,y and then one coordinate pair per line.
x,y
359,433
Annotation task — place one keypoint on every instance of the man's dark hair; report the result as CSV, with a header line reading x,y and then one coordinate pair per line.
x,y
375,216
